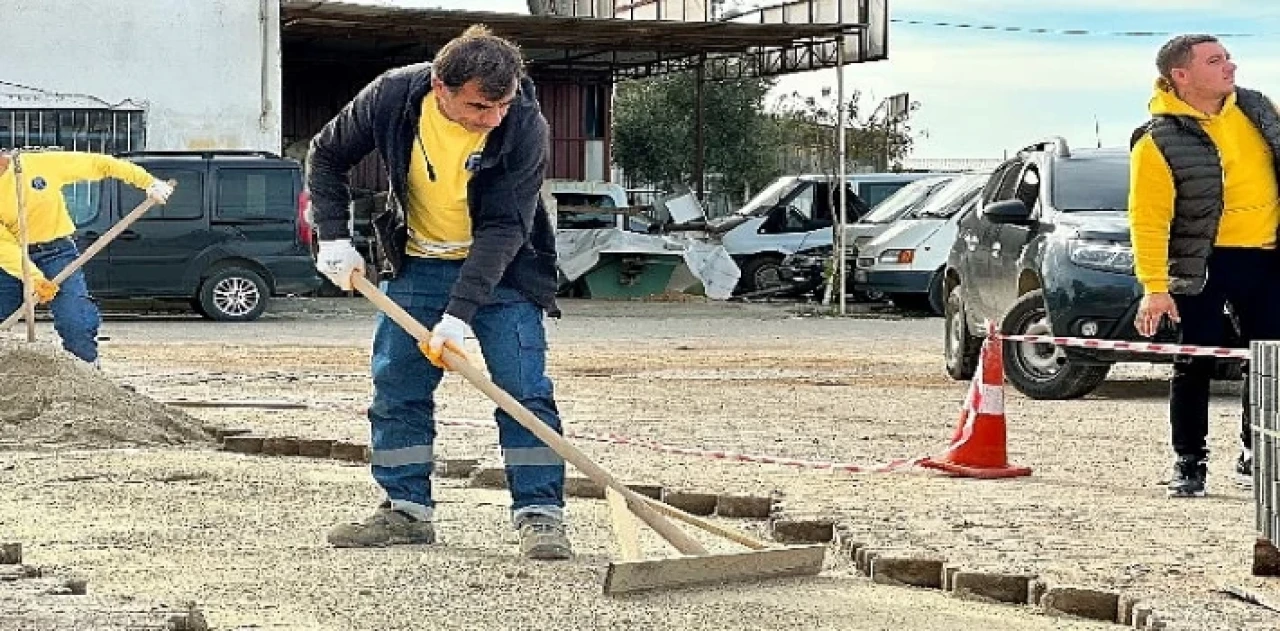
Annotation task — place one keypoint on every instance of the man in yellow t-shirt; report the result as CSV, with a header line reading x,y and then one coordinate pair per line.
x,y
49,230
465,244
1204,210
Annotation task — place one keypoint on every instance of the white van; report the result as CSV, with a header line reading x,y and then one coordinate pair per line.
x,y
906,261
793,213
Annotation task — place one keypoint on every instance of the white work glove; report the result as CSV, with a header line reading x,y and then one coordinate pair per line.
x,y
448,333
337,260
159,190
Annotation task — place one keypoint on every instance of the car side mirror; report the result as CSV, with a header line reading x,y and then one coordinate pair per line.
x,y
1011,211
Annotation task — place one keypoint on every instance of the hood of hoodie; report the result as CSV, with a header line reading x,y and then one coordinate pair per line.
x,y
1165,103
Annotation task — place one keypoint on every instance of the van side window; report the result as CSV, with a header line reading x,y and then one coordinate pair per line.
x,y
187,201
256,194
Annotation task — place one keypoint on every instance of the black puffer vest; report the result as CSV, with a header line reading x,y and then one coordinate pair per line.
x,y
1198,179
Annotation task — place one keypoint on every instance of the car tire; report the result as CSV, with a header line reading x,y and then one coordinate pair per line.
x,y
959,345
234,294
937,299
1035,369
763,271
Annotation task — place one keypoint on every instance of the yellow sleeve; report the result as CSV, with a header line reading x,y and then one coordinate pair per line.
x,y
1151,196
11,256
66,167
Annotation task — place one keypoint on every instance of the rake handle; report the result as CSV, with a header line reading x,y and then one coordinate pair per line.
x,y
639,504
93,249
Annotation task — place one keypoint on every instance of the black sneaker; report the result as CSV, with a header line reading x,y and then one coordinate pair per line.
x,y
1189,473
1244,469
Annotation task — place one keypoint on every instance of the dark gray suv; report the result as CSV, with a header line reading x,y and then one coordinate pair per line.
x,y
232,235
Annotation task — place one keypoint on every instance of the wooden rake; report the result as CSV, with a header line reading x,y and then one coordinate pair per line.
x,y
695,566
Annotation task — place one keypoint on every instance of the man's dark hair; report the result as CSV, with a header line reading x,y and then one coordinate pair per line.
x,y
1176,53
480,55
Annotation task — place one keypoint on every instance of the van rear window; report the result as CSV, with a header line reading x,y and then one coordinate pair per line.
x,y
256,194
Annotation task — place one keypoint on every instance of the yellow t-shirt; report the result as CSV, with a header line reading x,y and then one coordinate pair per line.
x,y
439,220
43,175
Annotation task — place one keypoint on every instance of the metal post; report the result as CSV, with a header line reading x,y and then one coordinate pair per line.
x,y
838,238
699,139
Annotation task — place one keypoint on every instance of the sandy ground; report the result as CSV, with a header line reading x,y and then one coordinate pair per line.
x,y
243,536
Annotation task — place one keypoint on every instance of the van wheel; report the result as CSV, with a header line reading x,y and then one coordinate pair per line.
x,y
234,294
960,346
1039,370
761,272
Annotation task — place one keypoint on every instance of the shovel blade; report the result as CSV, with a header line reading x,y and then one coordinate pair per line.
x,y
626,577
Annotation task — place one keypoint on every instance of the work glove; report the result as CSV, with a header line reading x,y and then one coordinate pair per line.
x,y
44,290
159,190
337,260
448,333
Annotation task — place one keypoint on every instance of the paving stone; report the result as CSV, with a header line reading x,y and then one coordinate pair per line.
x,y
803,530
349,452
916,572
243,444
1266,558
1082,602
847,542
222,433
10,553
280,446
1004,588
690,502
743,506
948,577
489,478
456,467
648,490
1125,608
76,586
579,486
863,558
315,447
1141,613
1035,592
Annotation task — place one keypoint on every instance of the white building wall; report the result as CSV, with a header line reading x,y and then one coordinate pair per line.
x,y
206,72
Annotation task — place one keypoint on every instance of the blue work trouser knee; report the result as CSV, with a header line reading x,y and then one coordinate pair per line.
x,y
75,313
402,416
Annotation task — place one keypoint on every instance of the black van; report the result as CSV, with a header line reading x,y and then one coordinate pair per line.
x,y
232,235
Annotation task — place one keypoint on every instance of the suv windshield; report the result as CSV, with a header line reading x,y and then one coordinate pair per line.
x,y
1094,183
953,196
907,198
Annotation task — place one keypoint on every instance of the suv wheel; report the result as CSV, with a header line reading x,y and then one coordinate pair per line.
x,y
233,294
1039,370
961,347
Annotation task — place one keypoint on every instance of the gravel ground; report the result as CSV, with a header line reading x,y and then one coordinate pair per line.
x,y
754,378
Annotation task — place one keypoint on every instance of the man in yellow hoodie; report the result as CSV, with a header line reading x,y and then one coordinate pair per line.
x,y
49,229
1204,209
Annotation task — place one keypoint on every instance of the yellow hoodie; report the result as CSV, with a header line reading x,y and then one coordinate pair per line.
x,y
43,175
1251,199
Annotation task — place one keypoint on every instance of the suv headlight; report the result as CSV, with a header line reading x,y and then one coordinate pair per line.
x,y
1106,256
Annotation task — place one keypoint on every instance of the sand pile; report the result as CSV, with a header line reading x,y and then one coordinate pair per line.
x,y
48,398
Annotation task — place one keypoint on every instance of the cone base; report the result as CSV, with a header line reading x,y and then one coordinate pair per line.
x,y
966,471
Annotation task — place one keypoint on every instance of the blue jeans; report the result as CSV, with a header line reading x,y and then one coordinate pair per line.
x,y
402,415
75,312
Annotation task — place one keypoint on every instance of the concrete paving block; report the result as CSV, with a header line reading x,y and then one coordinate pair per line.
x,y
489,478
863,558
948,577
743,506
803,530
690,502
1082,602
243,444
10,553
847,542
916,572
349,452
1125,608
579,486
315,448
1266,558
648,490
1141,613
1003,588
280,446
76,586
457,467
1035,592
222,433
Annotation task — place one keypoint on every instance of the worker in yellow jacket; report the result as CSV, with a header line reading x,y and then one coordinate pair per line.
x,y
1204,214
49,229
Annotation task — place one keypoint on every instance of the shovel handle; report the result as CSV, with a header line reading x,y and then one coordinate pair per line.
x,y
460,364
94,248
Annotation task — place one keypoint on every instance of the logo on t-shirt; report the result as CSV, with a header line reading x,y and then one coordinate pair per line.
x,y
39,184
473,163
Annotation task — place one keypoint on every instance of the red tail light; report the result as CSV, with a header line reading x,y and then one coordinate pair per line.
x,y
304,226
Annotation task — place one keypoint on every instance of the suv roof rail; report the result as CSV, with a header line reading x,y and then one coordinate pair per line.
x,y
1056,144
206,154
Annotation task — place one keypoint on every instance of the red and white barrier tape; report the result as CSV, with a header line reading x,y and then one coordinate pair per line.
x,y
1137,347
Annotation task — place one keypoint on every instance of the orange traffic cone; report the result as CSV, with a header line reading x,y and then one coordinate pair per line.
x,y
978,447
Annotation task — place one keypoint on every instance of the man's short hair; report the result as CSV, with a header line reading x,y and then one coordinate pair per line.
x,y
1176,53
480,55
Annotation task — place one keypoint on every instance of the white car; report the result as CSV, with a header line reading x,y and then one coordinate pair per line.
x,y
906,261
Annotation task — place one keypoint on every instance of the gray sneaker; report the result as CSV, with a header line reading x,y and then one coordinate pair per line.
x,y
543,538
386,527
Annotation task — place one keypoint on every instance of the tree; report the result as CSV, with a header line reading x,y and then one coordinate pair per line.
x,y
807,124
654,138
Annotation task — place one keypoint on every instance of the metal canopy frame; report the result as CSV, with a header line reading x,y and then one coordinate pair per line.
x,y
553,44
